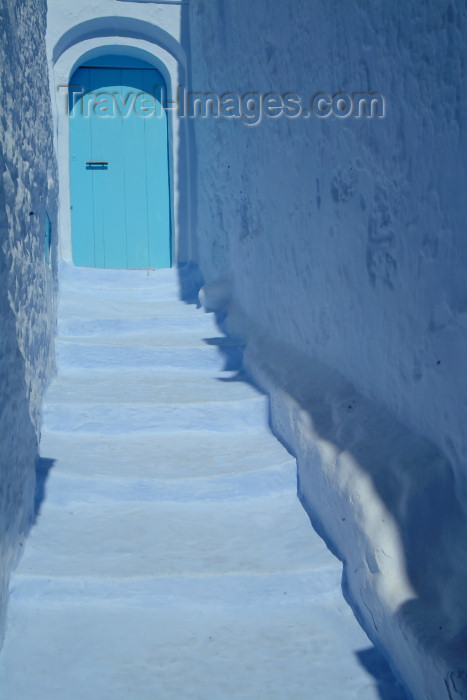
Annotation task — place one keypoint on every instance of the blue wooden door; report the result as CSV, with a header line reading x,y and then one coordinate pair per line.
x,y
119,175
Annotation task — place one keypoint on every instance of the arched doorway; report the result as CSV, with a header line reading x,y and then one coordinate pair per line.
x,y
119,166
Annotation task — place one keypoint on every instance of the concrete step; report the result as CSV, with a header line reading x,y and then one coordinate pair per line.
x,y
231,640
152,387
112,403
201,324
137,291
114,418
176,336
166,284
63,489
105,419
74,306
83,355
239,590
170,557
190,455
170,538
84,277
123,298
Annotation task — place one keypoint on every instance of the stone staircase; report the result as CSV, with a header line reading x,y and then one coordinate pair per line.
x,y
171,558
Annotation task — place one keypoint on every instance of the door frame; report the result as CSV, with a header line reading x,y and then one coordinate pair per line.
x,y
173,70
112,244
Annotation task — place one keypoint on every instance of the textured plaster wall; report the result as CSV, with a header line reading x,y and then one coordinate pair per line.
x,y
338,249
28,189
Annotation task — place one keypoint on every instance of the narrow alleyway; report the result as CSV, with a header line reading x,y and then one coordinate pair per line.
x,y
171,558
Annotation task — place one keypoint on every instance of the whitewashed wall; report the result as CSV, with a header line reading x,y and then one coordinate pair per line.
x,y
28,189
338,247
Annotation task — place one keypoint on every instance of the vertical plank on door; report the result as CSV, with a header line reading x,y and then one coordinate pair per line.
x,y
134,159
157,160
81,196
108,183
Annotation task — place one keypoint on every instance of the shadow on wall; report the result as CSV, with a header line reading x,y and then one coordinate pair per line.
x,y
385,497
43,467
232,348
371,658
374,662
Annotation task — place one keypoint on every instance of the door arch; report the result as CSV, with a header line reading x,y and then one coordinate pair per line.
x,y
119,165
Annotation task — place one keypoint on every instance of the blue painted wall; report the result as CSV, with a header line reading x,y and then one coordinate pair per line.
x,y
28,189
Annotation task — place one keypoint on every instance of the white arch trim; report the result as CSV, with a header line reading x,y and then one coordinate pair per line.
x,y
173,73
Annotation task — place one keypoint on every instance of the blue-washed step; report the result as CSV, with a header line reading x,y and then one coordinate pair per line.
x,y
189,455
97,306
222,355
114,419
113,403
149,592
104,403
170,557
146,291
222,638
99,386
137,285
66,489
199,325
166,538
172,337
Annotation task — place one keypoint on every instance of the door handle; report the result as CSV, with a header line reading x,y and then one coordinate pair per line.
x,y
96,162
